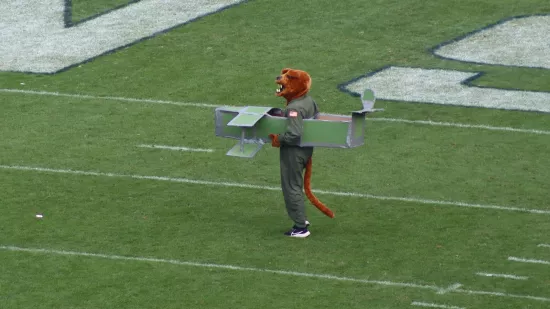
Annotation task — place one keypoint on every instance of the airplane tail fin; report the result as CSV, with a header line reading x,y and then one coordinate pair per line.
x,y
368,99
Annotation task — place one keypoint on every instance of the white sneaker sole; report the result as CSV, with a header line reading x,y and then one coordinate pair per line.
x,y
304,235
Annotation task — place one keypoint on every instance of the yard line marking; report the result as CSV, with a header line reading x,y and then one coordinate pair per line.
x,y
502,276
544,245
249,186
85,96
175,148
222,266
516,259
415,303
450,288
380,119
264,270
462,125
501,294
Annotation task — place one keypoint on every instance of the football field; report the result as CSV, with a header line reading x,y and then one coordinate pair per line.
x,y
107,130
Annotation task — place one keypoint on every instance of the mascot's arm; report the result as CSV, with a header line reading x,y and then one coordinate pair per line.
x,y
294,129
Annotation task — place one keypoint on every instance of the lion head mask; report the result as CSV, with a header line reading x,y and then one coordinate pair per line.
x,y
292,84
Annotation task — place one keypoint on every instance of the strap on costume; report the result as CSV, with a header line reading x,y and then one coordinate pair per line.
x,y
316,111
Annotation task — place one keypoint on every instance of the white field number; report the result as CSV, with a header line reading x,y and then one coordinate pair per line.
x,y
522,42
35,39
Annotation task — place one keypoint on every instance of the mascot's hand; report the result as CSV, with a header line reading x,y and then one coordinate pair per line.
x,y
275,140
277,112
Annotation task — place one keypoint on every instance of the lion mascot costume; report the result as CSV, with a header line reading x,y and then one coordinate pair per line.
x,y
294,86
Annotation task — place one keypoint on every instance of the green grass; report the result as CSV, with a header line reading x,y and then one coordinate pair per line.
x,y
232,58
82,9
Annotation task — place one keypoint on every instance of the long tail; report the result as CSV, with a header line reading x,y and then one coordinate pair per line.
x,y
309,194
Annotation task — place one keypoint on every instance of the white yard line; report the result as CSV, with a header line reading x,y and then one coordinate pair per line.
x,y
501,294
271,188
93,97
421,304
544,245
451,288
176,148
230,267
264,270
502,276
522,260
462,125
206,105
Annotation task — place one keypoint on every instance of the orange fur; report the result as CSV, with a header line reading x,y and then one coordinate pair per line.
x,y
307,185
275,140
296,83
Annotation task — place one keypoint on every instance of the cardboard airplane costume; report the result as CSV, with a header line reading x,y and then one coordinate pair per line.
x,y
255,126
251,125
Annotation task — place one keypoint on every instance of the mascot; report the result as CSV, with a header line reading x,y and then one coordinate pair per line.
x,y
294,86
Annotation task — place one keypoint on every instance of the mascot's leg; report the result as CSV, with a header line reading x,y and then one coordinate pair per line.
x,y
293,161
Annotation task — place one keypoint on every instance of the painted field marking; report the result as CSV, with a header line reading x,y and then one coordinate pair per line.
x,y
513,41
462,125
444,87
544,245
40,37
230,267
92,97
264,270
205,105
501,294
250,186
451,288
176,148
516,259
503,276
421,304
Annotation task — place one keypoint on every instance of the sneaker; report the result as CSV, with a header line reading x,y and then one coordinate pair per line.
x,y
298,232
307,223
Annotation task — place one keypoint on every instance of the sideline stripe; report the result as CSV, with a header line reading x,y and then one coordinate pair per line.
x,y
249,186
381,119
415,303
175,148
279,272
503,276
544,245
516,259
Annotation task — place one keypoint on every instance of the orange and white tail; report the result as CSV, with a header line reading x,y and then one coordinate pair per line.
x,y
314,200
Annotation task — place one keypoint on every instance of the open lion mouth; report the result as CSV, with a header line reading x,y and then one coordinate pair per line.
x,y
280,89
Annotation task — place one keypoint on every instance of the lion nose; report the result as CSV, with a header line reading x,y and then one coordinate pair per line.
x,y
279,77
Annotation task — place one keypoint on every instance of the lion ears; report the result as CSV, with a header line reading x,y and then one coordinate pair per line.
x,y
298,74
294,72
